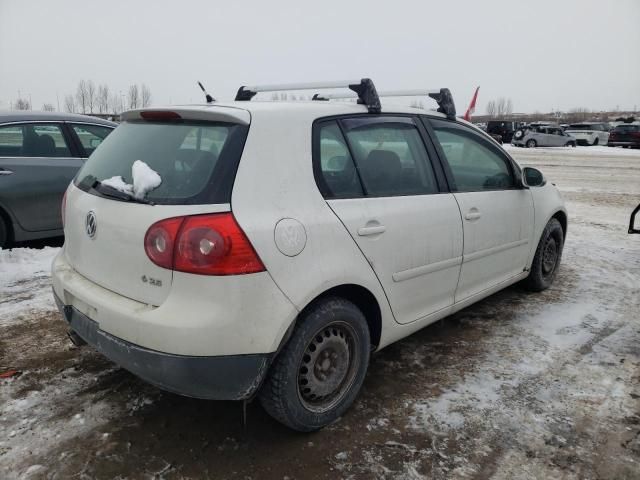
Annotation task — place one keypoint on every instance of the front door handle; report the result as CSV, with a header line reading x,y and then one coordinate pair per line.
x,y
472,214
4,171
365,231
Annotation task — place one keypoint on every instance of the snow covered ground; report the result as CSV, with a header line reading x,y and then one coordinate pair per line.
x,y
518,386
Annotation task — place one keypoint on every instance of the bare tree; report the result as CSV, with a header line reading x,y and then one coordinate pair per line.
x,y
47,107
91,95
133,96
509,107
146,95
22,104
578,115
115,103
82,96
491,108
70,103
103,99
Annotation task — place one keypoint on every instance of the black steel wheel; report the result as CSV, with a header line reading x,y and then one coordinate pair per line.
x,y
546,260
318,374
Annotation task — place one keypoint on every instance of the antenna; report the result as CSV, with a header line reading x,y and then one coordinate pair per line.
x,y
209,98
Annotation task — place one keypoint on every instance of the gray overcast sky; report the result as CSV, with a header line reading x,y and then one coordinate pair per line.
x,y
543,54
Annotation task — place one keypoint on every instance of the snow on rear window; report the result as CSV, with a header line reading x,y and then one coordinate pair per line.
x,y
170,163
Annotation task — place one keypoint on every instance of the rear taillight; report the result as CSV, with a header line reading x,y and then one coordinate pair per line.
x,y
204,244
635,134
63,207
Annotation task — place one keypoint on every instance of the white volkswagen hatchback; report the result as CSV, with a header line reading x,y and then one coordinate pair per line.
x,y
227,251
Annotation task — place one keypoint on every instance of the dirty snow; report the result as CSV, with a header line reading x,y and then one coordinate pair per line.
x,y
145,179
518,386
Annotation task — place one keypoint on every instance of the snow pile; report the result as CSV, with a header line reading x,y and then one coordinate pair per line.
x,y
144,177
21,264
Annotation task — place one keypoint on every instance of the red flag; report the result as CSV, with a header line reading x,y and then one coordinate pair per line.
x,y
472,106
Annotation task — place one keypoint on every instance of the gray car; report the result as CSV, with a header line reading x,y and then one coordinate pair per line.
x,y
542,136
40,153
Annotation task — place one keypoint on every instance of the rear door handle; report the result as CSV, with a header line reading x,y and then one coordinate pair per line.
x,y
365,231
4,171
473,214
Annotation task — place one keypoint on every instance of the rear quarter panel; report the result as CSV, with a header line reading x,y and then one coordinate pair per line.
x,y
274,182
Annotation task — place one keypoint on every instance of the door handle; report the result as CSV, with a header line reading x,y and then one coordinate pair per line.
x,y
365,231
4,171
472,214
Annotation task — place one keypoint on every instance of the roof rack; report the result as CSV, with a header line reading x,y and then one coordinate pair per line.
x,y
442,96
364,89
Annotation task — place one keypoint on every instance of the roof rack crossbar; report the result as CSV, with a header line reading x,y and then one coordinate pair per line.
x,y
364,89
442,96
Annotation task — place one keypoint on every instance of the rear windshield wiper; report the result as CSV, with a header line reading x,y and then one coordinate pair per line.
x,y
111,192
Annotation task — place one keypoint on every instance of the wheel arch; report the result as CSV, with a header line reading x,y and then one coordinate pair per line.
x,y
8,222
362,298
561,216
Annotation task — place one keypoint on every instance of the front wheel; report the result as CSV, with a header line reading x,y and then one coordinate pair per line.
x,y
595,142
318,374
531,144
571,144
547,257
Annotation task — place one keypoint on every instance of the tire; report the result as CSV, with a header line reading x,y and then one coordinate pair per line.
x,y
595,142
4,233
571,144
547,258
531,143
318,374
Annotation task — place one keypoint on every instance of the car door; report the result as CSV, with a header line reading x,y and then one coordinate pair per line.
x,y
377,176
557,139
497,213
37,166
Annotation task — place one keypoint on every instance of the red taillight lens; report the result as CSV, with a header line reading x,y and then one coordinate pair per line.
x,y
203,244
63,207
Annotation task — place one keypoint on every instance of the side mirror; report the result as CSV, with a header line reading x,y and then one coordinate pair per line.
x,y
532,177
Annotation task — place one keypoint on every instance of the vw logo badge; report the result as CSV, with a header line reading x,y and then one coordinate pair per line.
x,y
91,224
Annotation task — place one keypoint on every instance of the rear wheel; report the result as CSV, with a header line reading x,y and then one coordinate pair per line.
x,y
595,142
547,257
318,374
570,144
531,143
4,234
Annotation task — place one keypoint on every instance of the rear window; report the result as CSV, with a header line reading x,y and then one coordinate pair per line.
x,y
627,128
582,126
197,161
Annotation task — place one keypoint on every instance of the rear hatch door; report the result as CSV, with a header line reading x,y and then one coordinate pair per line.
x,y
195,154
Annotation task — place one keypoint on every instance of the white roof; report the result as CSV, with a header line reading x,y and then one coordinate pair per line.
x,y
318,108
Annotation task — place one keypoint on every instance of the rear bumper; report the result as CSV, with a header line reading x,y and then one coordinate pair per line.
x,y
228,377
615,143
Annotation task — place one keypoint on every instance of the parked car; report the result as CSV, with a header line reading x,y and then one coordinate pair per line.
x,y
589,133
546,136
230,250
40,153
505,129
625,135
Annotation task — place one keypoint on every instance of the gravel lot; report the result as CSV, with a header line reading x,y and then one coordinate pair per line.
x,y
518,386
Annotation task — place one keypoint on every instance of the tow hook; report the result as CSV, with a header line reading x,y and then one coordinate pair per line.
x,y
75,338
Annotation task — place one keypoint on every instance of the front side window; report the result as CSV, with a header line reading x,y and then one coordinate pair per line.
x,y
474,163
391,157
33,140
91,136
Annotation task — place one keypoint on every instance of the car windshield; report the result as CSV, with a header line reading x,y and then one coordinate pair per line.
x,y
196,161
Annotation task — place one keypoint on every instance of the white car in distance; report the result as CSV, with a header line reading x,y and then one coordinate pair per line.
x,y
589,133
267,248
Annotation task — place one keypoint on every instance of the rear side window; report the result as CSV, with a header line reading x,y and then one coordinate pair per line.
x,y
390,156
197,161
91,136
337,173
627,128
474,162
33,140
